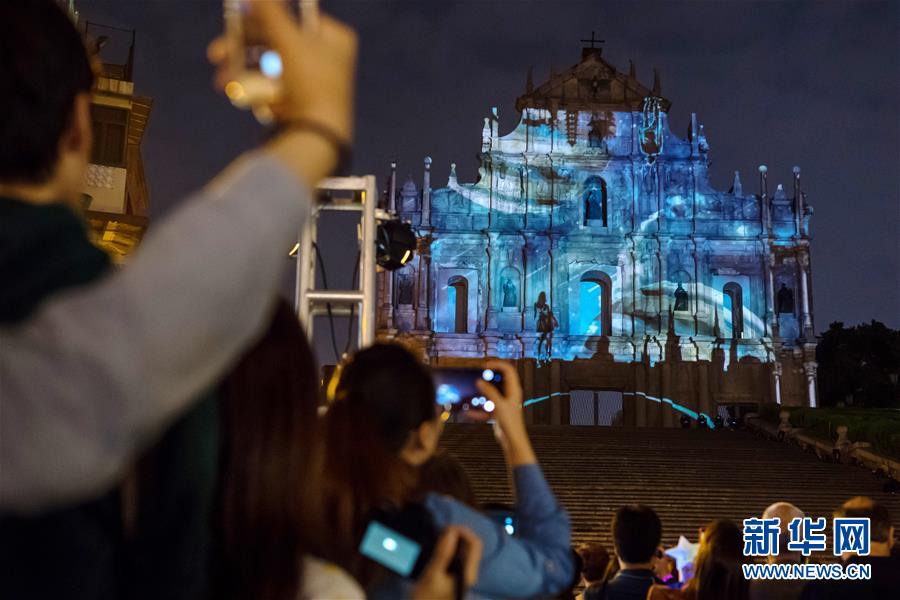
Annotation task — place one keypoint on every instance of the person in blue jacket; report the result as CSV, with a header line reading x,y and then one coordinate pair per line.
x,y
383,425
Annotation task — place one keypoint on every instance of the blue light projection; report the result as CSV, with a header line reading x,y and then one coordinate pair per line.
x,y
590,318
666,401
592,230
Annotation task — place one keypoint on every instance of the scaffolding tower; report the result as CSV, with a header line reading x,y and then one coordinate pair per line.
x,y
353,194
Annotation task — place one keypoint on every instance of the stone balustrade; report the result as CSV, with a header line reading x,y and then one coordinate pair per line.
x,y
841,450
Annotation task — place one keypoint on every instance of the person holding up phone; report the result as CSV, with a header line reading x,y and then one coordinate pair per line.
x,y
95,372
382,426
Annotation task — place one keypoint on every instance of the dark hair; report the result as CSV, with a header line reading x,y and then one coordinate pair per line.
x,y
382,396
863,507
636,530
594,560
717,568
267,513
568,593
444,474
45,66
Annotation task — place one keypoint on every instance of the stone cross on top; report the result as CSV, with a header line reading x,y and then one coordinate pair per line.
x,y
592,41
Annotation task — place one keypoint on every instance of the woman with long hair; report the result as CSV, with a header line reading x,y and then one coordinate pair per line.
x,y
384,425
268,504
717,568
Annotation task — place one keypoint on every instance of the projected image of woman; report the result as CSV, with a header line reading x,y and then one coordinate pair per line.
x,y
546,323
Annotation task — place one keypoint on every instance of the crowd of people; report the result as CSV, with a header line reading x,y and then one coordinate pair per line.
x,y
639,568
164,433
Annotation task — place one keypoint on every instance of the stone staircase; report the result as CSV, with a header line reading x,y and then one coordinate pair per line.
x,y
689,477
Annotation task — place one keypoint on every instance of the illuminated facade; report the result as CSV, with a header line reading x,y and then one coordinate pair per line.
x,y
594,249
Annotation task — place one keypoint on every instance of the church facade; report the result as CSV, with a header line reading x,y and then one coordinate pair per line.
x,y
594,251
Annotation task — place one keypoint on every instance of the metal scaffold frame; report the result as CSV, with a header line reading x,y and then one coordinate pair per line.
x,y
311,302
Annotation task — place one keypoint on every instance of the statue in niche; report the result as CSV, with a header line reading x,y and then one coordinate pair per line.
x,y
546,323
785,300
681,298
595,202
405,287
598,132
510,298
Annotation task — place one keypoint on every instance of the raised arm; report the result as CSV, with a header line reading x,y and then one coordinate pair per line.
x,y
538,562
97,372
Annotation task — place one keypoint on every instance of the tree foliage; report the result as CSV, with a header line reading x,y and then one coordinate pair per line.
x,y
859,365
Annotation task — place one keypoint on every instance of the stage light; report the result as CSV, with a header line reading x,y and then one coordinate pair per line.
x,y
489,406
395,244
487,375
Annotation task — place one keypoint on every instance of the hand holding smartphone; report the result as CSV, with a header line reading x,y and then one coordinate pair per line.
x,y
315,86
453,567
256,65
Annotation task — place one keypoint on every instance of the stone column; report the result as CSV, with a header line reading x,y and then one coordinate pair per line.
x,y
632,288
809,369
392,189
423,317
803,264
771,316
552,296
695,293
776,377
385,284
798,203
426,194
658,257
493,252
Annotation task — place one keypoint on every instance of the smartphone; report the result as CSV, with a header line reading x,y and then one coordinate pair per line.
x,y
257,66
390,548
456,569
455,389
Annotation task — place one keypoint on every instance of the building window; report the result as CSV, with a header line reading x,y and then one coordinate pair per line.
x,y
110,128
594,195
733,300
458,302
595,305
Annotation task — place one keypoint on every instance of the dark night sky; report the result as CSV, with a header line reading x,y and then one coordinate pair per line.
x,y
816,84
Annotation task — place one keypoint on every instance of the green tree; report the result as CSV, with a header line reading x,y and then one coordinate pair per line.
x,y
859,365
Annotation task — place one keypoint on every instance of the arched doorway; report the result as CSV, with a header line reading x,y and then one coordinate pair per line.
x,y
733,303
594,304
458,302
